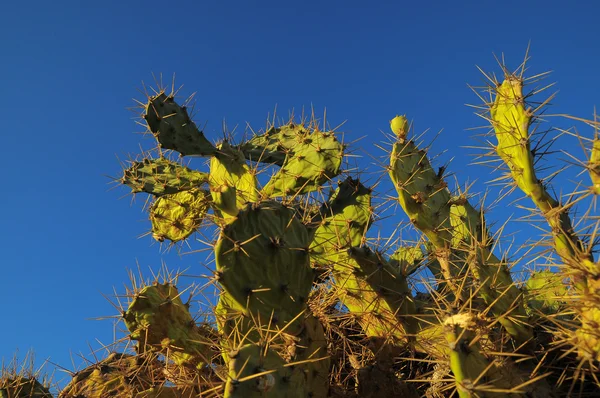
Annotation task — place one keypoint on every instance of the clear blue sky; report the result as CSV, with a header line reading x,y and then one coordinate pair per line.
x,y
70,68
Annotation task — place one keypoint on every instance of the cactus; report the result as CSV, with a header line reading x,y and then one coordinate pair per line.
x,y
311,304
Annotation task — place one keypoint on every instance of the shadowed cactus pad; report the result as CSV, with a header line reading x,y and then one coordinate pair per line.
x,y
257,372
263,263
119,375
173,128
23,387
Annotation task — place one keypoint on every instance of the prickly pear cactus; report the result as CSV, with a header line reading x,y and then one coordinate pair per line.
x,y
310,302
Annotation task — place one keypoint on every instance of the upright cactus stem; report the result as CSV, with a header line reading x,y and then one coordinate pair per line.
x,y
511,121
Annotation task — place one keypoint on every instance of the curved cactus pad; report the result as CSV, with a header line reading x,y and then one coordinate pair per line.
x,y
157,317
274,145
313,159
263,262
173,128
177,216
161,176
255,371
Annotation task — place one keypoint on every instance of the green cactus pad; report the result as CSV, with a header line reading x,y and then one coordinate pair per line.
x,y
258,372
274,145
173,128
177,216
119,375
263,262
23,387
161,176
232,182
315,159
157,317
546,292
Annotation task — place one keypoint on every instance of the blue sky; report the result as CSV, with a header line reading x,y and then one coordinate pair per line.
x,y
70,69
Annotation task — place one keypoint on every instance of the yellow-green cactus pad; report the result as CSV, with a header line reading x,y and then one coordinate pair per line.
x,y
177,216
315,158
546,292
274,145
157,317
262,260
259,372
173,128
232,182
161,176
